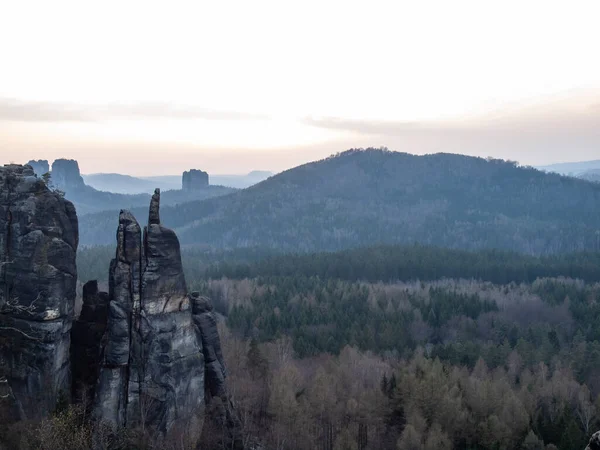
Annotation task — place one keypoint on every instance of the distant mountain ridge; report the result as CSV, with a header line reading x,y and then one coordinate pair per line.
x,y
127,184
375,196
590,175
572,168
66,177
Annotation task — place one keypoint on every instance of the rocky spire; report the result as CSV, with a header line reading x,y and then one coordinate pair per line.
x,y
154,215
38,244
153,365
194,180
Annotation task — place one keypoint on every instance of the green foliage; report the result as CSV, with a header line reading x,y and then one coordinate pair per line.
x,y
416,262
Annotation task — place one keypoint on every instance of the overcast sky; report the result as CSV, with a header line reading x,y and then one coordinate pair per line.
x,y
158,87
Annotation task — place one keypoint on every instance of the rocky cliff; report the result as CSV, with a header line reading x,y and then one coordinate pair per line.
x,y
161,349
194,180
146,354
38,245
66,175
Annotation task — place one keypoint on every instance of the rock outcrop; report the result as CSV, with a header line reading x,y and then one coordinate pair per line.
x,y
160,342
221,412
194,180
40,167
38,244
88,331
147,354
66,175
594,442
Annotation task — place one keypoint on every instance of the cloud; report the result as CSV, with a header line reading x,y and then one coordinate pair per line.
x,y
551,117
562,128
363,126
32,111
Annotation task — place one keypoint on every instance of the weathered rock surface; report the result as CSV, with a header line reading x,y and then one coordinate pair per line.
x,y
40,166
88,331
66,175
194,180
594,442
221,414
146,352
153,366
38,243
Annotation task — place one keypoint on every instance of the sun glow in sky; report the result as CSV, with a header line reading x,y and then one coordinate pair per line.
x,y
158,87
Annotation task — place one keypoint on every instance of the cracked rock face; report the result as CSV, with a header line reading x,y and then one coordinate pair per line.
x,y
38,245
153,366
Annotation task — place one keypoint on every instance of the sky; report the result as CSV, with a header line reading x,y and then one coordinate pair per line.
x,y
152,88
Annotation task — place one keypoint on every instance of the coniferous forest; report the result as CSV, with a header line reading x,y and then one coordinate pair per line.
x,y
405,347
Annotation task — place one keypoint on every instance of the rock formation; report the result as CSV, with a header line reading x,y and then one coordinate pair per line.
x,y
161,345
221,412
40,167
38,244
594,442
146,353
194,180
88,331
66,175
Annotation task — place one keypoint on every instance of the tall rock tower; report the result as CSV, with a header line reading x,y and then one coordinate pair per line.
x,y
161,351
38,245
194,180
66,175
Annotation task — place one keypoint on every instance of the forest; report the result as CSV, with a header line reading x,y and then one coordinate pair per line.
x,y
404,347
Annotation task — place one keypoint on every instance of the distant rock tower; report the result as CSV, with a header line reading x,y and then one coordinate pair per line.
x,y
194,180
66,175
40,167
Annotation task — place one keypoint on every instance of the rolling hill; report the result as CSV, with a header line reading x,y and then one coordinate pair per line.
x,y
591,175
126,184
375,196
572,168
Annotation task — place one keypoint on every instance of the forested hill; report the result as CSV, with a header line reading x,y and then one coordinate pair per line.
x,y
367,197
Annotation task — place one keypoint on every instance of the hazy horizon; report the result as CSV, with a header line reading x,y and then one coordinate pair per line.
x,y
268,86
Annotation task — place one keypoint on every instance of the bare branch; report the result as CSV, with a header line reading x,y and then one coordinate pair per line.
x,y
12,305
